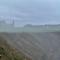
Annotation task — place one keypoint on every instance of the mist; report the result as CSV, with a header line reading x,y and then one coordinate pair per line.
x,y
30,11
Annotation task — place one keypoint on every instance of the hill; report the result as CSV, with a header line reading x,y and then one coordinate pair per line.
x,y
9,53
37,46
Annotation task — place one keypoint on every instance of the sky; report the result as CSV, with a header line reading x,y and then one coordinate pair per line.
x,y
30,11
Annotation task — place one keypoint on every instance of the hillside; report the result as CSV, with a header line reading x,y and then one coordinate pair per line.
x,y
9,53
37,46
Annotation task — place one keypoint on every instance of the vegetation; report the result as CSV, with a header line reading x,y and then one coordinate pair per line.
x,y
9,53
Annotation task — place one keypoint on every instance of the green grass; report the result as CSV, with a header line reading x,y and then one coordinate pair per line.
x,y
27,29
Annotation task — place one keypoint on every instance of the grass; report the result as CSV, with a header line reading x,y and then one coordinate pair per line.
x,y
29,29
9,53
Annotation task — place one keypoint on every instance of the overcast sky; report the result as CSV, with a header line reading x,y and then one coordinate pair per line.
x,y
31,11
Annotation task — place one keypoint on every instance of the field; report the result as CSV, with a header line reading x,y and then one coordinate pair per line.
x,y
34,42
37,46
29,29
7,52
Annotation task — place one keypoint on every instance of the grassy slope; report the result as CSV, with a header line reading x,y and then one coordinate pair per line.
x,y
9,53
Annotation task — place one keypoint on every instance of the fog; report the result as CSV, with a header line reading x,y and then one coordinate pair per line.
x,y
30,11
